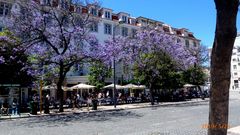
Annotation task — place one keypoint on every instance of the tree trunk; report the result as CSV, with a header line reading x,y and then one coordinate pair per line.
x,y
225,35
60,94
59,87
151,94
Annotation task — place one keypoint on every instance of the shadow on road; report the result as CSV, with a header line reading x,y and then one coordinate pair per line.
x,y
68,119
180,105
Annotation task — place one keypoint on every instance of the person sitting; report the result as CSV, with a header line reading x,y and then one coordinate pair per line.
x,y
4,108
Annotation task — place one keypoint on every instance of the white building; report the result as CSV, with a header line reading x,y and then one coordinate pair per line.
x,y
235,65
104,29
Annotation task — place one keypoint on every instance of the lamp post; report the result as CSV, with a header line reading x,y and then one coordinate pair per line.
x,y
41,100
114,66
41,89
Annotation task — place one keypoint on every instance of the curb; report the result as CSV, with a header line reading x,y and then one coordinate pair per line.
x,y
110,110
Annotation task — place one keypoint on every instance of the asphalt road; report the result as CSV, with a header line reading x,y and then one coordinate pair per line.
x,y
185,119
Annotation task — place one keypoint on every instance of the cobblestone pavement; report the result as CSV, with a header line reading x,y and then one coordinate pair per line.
x,y
185,119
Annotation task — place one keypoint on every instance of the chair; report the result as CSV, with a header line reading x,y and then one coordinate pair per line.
x,y
4,110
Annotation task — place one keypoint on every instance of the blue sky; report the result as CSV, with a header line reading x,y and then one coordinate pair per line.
x,y
199,16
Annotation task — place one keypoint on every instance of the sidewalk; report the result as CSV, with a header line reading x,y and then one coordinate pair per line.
x,y
234,131
104,108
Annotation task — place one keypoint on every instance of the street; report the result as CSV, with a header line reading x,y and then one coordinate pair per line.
x,y
186,119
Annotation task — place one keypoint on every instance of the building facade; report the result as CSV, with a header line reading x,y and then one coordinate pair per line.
x,y
107,27
235,65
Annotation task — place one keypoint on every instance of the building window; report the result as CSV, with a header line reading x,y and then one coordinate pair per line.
x,y
178,40
234,59
194,44
47,19
107,15
236,83
134,32
238,49
234,66
47,2
187,43
78,9
4,8
94,27
108,29
65,20
94,11
124,19
235,73
64,5
124,31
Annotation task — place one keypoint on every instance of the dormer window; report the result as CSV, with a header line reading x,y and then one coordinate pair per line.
x,y
93,11
179,32
107,15
132,21
191,35
166,29
124,19
151,23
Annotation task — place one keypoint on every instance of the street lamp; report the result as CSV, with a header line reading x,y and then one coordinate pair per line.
x,y
114,68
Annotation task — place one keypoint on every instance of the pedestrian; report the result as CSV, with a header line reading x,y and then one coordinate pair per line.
x,y
89,101
74,102
47,103
14,106
68,102
77,101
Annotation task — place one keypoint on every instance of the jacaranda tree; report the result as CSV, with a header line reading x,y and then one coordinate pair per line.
x,y
143,52
58,38
15,67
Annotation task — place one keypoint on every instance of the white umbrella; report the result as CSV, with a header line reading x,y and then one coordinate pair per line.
x,y
112,86
82,86
50,87
188,85
54,87
67,89
141,86
131,86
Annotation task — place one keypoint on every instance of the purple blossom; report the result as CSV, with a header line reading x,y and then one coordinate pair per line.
x,y
130,50
2,60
